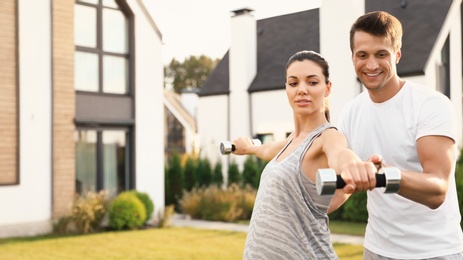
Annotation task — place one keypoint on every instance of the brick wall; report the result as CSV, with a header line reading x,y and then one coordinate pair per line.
x,y
63,106
8,94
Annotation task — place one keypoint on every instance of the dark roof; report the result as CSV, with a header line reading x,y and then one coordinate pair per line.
x,y
277,39
280,37
421,21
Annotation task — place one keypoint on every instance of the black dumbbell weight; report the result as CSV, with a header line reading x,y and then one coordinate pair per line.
x,y
327,181
226,147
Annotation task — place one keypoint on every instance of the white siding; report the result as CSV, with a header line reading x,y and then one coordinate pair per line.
x,y
26,208
213,128
149,109
272,114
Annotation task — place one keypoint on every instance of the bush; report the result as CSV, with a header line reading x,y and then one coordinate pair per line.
x,y
164,220
86,214
175,180
233,173
147,202
126,212
217,175
190,173
355,209
215,203
250,175
204,172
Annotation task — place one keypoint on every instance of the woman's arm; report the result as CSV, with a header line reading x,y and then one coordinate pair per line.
x,y
266,151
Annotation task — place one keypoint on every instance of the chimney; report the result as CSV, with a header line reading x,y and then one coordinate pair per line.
x,y
243,69
336,19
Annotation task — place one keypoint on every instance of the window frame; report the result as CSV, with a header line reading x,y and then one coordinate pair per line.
x,y
98,50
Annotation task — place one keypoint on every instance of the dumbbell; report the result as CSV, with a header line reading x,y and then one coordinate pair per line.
x,y
327,181
226,147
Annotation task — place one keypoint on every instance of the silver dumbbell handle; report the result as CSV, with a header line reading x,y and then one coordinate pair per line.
x,y
327,181
226,147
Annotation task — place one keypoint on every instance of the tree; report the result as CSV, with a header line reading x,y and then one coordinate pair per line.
x,y
189,74
217,176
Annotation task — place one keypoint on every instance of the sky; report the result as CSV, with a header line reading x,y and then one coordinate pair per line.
x,y
202,27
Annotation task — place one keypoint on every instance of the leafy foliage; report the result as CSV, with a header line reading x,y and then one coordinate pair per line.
x,y
189,74
86,215
217,176
233,173
126,212
251,174
175,180
190,172
204,172
215,203
147,202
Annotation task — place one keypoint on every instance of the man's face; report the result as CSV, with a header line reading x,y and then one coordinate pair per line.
x,y
374,60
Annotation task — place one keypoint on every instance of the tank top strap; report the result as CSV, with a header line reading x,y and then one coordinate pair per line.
x,y
312,136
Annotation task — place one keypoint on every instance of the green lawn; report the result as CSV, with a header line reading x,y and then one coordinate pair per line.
x,y
167,243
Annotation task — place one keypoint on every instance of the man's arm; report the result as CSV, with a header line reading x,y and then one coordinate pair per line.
x,y
436,155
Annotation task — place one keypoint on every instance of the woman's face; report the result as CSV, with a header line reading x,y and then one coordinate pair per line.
x,y
306,88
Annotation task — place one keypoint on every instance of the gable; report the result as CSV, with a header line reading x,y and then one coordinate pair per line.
x,y
421,21
280,37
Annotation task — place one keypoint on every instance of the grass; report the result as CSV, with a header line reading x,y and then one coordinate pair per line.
x,y
167,243
349,228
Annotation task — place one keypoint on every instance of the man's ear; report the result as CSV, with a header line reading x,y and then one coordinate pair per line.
x,y
397,57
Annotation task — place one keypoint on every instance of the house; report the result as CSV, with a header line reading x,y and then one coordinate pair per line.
x,y
81,105
180,132
245,94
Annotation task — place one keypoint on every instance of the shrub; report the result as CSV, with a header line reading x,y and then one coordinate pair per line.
x,y
250,175
147,202
164,221
215,203
126,212
217,175
190,173
354,209
205,172
175,177
233,173
86,214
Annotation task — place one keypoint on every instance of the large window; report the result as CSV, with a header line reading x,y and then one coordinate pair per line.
x,y
102,161
104,100
101,34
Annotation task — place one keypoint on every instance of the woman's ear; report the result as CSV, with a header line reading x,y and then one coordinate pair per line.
x,y
328,89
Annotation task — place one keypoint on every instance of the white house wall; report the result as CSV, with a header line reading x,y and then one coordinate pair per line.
x,y
26,208
452,28
336,18
213,127
149,109
271,114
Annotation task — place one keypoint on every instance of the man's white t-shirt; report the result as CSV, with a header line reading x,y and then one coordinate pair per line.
x,y
398,227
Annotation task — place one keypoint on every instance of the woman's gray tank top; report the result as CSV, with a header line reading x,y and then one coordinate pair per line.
x,y
285,222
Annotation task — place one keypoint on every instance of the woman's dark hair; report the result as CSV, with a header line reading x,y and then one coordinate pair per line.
x,y
320,61
314,57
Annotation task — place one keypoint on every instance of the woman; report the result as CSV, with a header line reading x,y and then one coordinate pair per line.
x,y
289,219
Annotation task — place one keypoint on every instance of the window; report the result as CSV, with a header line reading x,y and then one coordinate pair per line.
x,y
102,161
175,134
102,47
443,69
104,123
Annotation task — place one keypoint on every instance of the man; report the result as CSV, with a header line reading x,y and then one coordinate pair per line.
x,y
412,128
400,124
